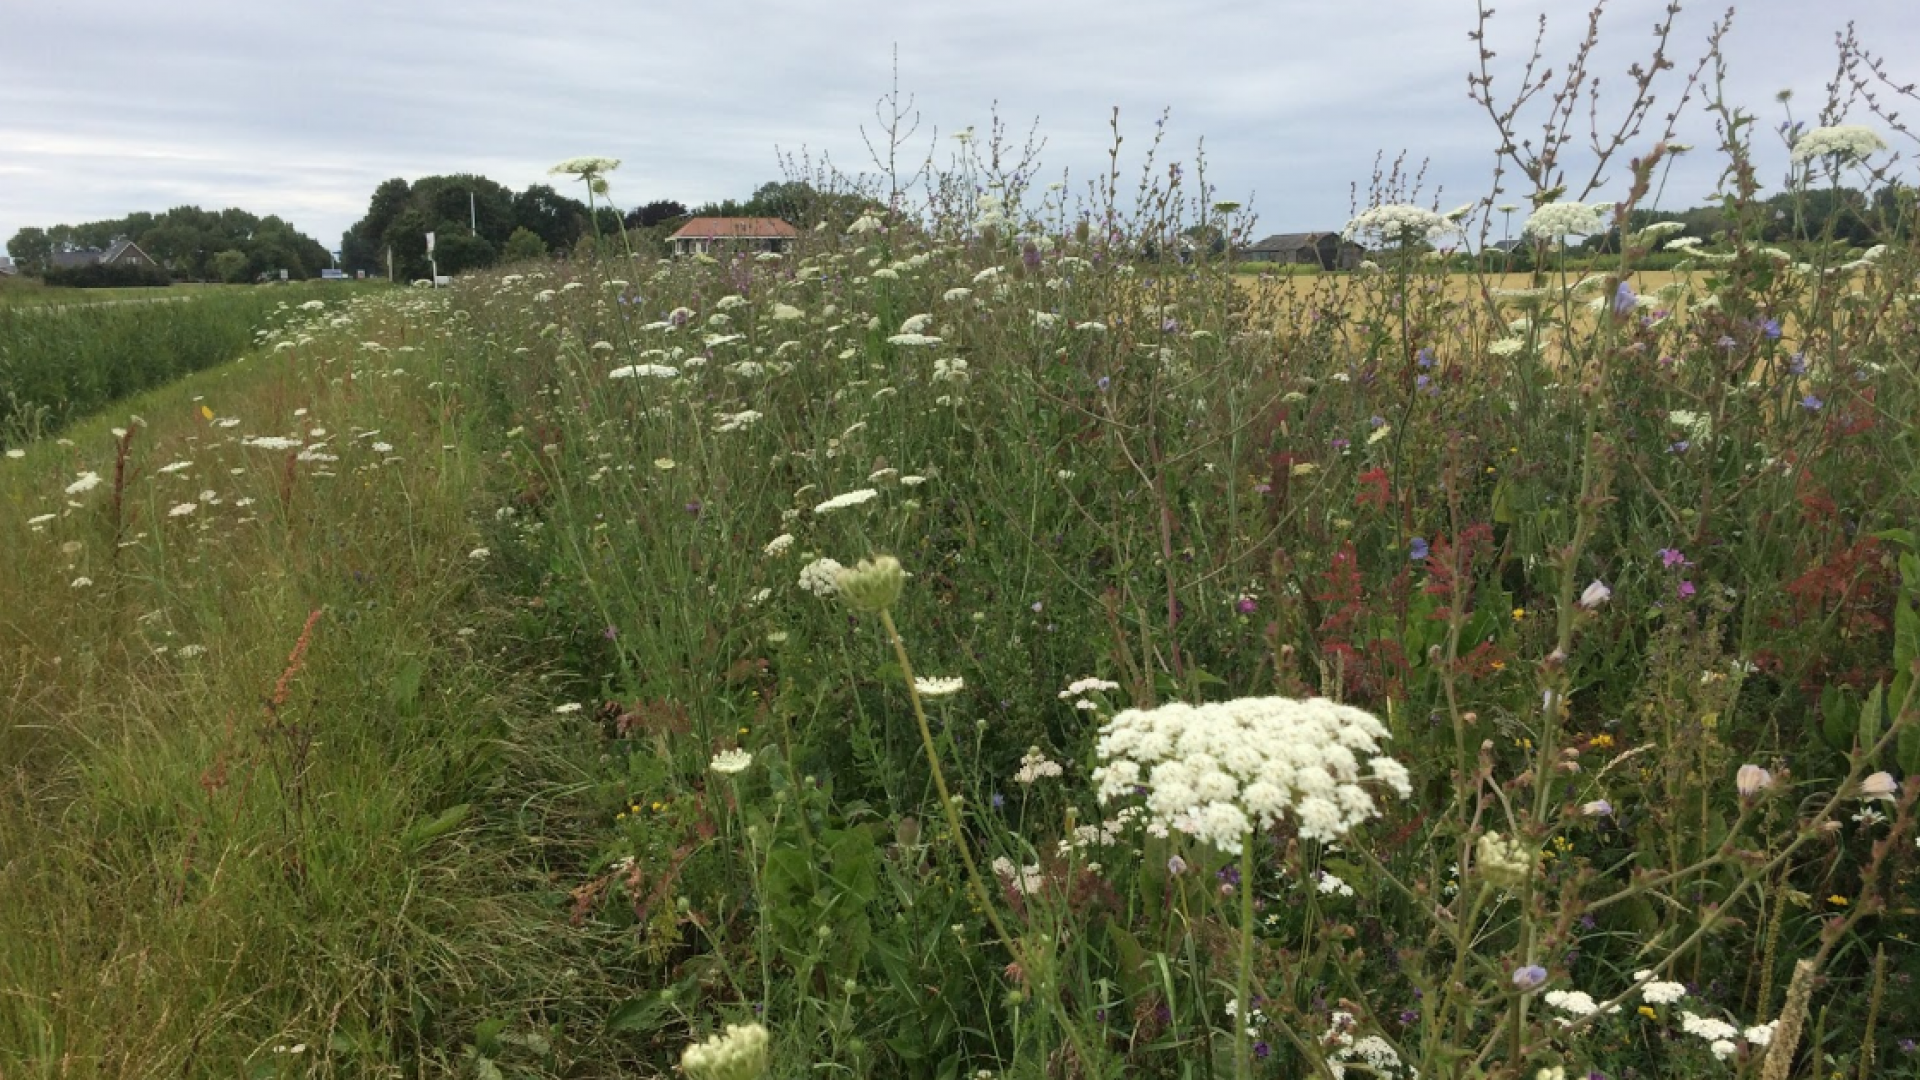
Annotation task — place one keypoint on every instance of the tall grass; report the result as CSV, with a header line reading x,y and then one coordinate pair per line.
x,y
1625,585
60,364
1584,555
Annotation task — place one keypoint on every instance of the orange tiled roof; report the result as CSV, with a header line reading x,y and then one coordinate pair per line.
x,y
728,228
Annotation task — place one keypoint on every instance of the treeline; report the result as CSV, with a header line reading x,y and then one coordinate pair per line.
x,y
478,222
190,243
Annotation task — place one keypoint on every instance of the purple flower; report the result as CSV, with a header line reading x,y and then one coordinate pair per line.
x,y
1811,403
1671,557
1797,363
1246,605
1424,358
1170,326
1624,300
1687,589
1771,328
1376,421
1261,1050
1679,447
1529,977
1104,383
1726,342
1339,444
997,800
1417,549
610,633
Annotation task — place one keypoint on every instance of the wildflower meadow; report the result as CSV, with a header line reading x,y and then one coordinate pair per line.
x,y
978,643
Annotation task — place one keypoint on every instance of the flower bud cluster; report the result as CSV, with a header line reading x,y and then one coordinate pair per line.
x,y
739,1054
1218,771
1503,861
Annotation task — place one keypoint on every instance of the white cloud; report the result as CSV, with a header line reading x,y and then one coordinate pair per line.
x,y
301,109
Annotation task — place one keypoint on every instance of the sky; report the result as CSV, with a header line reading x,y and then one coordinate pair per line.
x,y
301,109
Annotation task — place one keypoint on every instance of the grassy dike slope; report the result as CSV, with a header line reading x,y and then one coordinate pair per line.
x,y
271,804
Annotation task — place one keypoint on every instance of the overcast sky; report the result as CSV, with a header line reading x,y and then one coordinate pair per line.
x,y
300,109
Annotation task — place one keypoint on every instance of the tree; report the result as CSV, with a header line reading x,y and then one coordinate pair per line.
x,y
456,251
31,249
655,213
556,219
524,245
230,266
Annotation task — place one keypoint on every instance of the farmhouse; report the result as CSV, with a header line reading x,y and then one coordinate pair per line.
x,y
1324,249
712,235
7,269
123,252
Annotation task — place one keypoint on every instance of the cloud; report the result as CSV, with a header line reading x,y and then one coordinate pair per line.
x,y
302,109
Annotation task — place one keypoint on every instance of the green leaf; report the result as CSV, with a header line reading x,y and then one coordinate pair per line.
x,y
1836,718
1906,635
1907,754
426,832
1870,717
642,1014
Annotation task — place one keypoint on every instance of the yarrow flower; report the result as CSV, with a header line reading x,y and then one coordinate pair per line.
x,y
1217,771
1655,992
730,762
1851,141
1561,219
779,544
1034,766
86,482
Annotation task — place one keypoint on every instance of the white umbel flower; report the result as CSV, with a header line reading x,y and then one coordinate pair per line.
x,y
1217,771
1561,219
939,687
1395,223
841,502
739,1054
1851,141
821,577
730,762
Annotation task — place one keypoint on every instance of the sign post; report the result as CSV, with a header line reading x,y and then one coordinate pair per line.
x,y
433,262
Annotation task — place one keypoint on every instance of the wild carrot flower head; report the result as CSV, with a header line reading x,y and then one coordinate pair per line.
x,y
1848,141
872,586
1395,223
585,168
1217,771
1556,220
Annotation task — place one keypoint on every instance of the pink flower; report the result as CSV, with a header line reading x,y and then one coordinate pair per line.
x,y
1751,780
1596,594
1880,785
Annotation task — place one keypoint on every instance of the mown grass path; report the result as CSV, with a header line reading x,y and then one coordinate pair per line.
x,y
278,797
